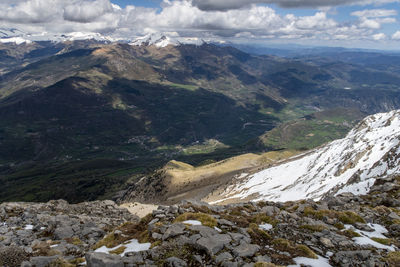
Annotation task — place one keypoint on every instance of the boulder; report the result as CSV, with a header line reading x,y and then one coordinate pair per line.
x,y
96,259
213,244
245,250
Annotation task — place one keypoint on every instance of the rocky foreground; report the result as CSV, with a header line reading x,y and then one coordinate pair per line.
x,y
346,230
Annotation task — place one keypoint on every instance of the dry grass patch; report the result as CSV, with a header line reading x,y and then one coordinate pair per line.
x,y
346,217
393,258
74,241
118,251
349,217
258,235
350,233
294,250
384,241
205,219
129,231
262,218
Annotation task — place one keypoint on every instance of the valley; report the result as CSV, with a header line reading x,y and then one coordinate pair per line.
x,y
97,117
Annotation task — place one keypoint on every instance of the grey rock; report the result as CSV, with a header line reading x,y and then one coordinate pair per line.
x,y
239,237
263,258
245,250
364,227
103,260
225,222
394,216
229,264
352,258
213,244
156,236
174,230
133,258
63,232
154,221
198,259
42,261
225,256
203,230
270,210
326,242
175,262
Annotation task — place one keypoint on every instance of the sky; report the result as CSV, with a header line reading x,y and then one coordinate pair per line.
x,y
348,23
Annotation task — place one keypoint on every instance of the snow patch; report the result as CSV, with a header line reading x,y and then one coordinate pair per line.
x,y
29,227
131,246
320,262
266,226
16,40
365,238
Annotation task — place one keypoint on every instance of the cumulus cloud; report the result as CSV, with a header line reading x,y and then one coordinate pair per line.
x,y
379,36
396,35
224,5
187,18
374,18
87,11
374,13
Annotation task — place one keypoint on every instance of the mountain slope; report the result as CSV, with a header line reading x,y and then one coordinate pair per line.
x,y
352,164
144,105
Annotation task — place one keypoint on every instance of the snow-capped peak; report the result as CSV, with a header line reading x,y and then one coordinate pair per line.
x,y
162,40
10,32
13,36
371,150
154,39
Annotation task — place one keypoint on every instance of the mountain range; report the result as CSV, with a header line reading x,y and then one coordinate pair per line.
x,y
93,117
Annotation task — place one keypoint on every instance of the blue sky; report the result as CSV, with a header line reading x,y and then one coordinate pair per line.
x,y
349,23
144,3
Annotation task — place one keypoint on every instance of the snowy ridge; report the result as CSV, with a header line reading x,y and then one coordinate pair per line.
x,y
352,164
13,36
161,40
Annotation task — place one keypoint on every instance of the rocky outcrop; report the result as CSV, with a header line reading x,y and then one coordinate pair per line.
x,y
46,232
343,230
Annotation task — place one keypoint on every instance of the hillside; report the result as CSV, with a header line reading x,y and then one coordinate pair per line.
x,y
126,110
352,164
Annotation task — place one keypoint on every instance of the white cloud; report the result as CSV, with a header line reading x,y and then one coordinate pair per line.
x,y
379,36
374,18
396,35
87,11
187,20
224,5
374,13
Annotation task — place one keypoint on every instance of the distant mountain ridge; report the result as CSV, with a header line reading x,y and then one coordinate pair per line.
x,y
90,105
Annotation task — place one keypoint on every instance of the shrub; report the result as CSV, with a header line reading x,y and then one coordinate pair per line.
x,y
262,218
304,251
393,258
349,217
258,235
351,234
383,241
296,251
12,256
